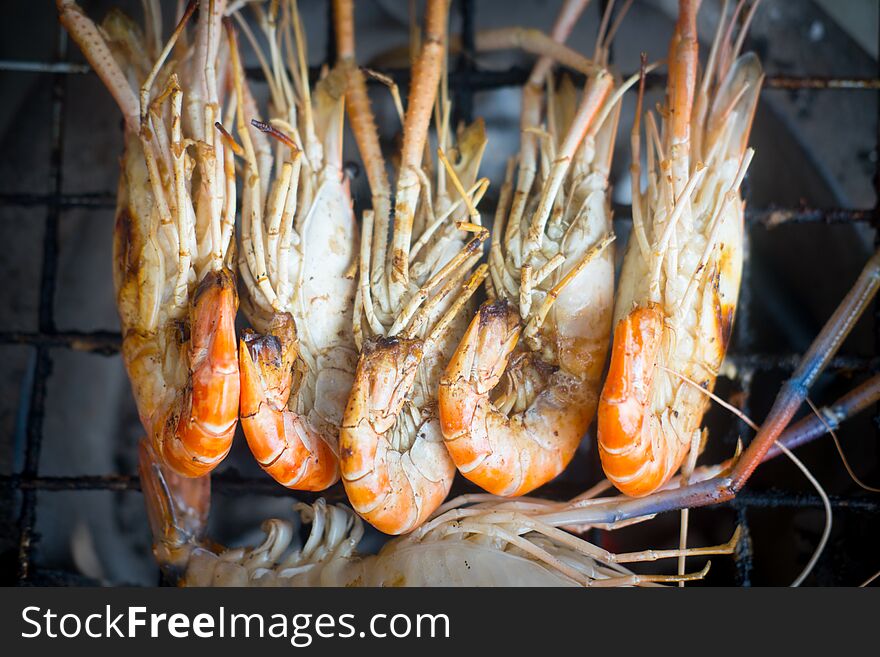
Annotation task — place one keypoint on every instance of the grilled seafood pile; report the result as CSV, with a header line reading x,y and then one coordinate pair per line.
x,y
365,361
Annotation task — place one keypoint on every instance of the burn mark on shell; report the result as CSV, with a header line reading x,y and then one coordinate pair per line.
x,y
182,330
264,348
474,245
727,314
398,265
222,278
492,310
124,234
382,342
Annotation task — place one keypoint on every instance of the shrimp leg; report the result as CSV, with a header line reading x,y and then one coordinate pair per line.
x,y
177,509
828,419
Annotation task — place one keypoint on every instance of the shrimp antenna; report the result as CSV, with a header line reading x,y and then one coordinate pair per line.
x,y
826,533
603,26
612,32
839,447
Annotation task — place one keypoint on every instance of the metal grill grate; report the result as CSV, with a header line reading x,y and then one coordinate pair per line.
x,y
464,81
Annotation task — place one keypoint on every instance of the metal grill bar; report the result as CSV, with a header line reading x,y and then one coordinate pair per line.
x,y
769,217
96,200
99,342
480,79
230,483
107,343
465,80
48,278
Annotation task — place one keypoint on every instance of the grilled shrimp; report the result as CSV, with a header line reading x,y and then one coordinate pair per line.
x,y
297,261
522,386
408,310
175,217
493,543
682,269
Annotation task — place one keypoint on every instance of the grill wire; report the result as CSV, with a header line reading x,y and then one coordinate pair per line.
x,y
465,79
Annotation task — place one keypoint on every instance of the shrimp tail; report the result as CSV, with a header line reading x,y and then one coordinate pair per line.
x,y
475,369
628,433
287,446
198,431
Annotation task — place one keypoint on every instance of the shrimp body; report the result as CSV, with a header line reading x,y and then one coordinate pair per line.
x,y
176,206
296,449
412,290
522,387
681,274
512,454
297,260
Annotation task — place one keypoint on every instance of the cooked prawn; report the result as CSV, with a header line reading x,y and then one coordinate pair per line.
x,y
408,312
297,262
682,269
175,218
522,387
